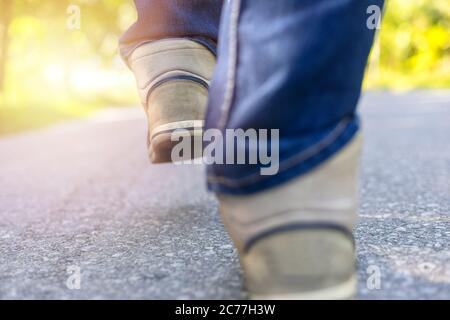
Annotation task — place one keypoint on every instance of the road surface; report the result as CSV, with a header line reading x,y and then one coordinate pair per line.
x,y
81,196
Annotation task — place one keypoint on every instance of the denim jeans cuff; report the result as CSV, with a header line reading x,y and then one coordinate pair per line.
x,y
235,187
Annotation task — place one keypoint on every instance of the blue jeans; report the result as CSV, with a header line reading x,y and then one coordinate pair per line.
x,y
292,65
159,19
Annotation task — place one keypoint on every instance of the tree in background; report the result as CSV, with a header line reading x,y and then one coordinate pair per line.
x,y
34,37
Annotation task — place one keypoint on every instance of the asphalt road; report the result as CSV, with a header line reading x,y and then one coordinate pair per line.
x,y
82,196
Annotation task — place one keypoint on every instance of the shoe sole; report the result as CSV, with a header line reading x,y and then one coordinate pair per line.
x,y
344,291
164,138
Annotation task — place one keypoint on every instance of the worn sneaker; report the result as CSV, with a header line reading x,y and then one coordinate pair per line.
x,y
173,76
295,241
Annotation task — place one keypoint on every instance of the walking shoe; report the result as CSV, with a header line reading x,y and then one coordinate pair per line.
x,y
173,76
295,241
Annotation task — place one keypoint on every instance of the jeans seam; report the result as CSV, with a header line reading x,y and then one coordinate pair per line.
x,y
285,164
232,66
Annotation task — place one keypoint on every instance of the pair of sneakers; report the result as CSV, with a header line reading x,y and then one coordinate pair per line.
x,y
294,241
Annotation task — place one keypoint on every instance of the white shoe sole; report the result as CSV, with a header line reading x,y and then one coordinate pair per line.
x,y
161,143
344,291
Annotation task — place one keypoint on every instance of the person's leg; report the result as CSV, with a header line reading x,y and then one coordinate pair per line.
x,y
162,19
296,66
171,51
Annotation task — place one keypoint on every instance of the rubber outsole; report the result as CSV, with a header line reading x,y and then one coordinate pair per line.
x,y
164,138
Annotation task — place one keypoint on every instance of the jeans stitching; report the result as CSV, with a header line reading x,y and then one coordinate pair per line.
x,y
231,74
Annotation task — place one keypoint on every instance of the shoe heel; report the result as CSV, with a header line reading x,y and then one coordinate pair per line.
x,y
176,105
301,265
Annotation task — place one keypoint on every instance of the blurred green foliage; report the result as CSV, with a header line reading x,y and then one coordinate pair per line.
x,y
55,70
413,47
